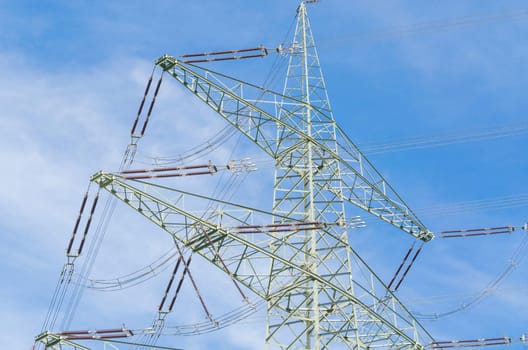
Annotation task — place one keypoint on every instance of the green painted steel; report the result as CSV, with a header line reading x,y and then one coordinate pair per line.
x,y
320,294
318,171
57,342
251,109
248,258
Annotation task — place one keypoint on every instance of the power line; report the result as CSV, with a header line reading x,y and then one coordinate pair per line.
x,y
373,148
416,143
514,261
428,26
504,202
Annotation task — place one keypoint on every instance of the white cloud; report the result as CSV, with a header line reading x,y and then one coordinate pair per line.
x,y
65,123
69,125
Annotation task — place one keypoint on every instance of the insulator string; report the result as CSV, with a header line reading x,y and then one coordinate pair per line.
x,y
151,107
401,266
140,109
74,232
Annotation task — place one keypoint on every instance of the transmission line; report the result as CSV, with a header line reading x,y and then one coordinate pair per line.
x,y
436,299
504,202
134,278
411,144
514,261
429,26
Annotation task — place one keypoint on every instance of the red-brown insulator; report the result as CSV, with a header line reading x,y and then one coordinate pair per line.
x,y
87,227
148,85
88,337
289,224
75,228
493,339
111,330
279,227
479,229
180,282
94,204
234,51
160,307
158,86
401,266
215,53
274,230
169,284
137,116
252,226
408,268
220,52
263,52
134,171
252,49
135,122
88,223
253,56
151,106
223,58
154,176
141,105
83,204
70,243
74,232
195,54
477,232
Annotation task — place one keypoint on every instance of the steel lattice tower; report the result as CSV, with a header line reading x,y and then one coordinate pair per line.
x,y
308,187
320,294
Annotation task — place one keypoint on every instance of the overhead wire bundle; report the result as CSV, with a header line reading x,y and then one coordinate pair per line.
x,y
514,261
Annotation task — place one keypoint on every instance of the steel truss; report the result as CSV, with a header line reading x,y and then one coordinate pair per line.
x,y
247,257
320,294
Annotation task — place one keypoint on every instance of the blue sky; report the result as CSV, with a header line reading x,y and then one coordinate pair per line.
x,y
72,75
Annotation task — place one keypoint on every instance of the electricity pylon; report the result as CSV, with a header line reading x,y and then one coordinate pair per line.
x,y
309,187
320,294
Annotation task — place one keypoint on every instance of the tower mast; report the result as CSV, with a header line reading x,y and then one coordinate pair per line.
x,y
309,317
308,187
320,294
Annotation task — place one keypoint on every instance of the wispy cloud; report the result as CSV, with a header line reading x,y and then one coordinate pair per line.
x,y
66,113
